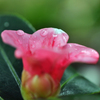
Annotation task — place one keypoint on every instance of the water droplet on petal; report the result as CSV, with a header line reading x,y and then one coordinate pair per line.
x,y
44,33
20,32
93,51
32,48
86,52
6,24
54,35
58,31
64,38
70,45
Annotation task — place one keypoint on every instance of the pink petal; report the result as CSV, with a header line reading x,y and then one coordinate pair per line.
x,y
79,53
50,61
74,53
48,37
41,61
17,39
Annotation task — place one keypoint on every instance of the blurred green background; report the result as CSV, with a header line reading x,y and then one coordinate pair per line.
x,y
79,18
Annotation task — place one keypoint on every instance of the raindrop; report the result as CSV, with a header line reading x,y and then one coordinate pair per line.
x,y
54,35
32,48
6,24
70,45
58,31
64,38
93,51
44,33
20,32
86,52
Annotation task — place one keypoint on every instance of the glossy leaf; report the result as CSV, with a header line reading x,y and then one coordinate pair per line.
x,y
80,97
73,84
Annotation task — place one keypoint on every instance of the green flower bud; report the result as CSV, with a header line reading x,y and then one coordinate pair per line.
x,y
38,86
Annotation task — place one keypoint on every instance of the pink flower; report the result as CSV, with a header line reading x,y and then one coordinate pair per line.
x,y
45,55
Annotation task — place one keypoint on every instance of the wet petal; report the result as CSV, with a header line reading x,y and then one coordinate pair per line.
x,y
79,53
48,37
17,39
74,53
41,61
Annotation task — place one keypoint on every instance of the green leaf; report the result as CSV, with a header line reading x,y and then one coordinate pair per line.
x,y
1,98
75,97
80,97
72,83
10,67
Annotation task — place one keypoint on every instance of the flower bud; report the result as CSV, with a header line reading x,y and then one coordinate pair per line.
x,y
38,86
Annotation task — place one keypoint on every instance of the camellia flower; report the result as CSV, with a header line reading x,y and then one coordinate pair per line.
x,y
45,55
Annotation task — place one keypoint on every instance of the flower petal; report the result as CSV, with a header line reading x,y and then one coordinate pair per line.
x,y
17,39
74,53
41,61
50,61
79,53
48,37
